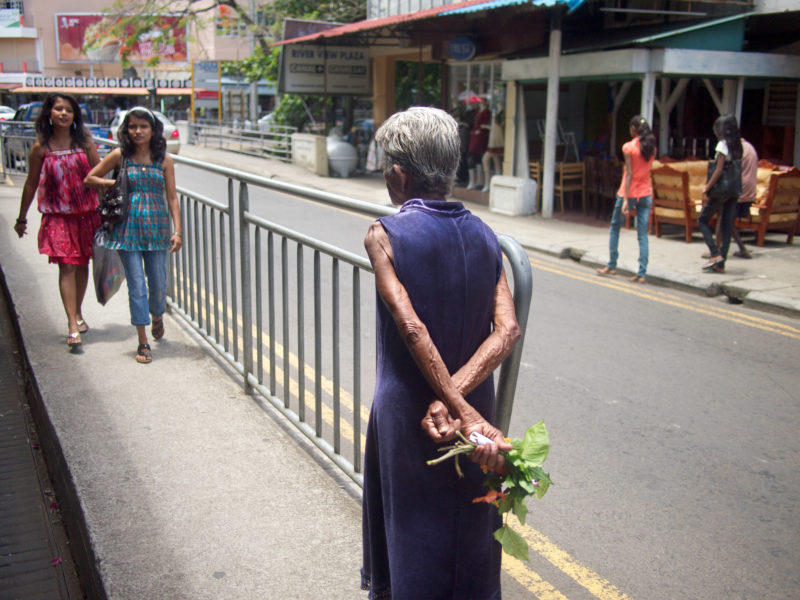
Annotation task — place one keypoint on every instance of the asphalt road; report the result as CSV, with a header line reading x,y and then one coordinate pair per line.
x,y
673,423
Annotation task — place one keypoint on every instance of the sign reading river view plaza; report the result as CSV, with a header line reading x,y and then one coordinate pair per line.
x,y
331,69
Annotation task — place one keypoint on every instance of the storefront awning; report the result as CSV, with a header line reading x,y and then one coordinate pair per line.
x,y
448,9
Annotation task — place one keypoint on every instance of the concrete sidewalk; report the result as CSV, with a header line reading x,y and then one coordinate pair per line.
x,y
769,281
177,484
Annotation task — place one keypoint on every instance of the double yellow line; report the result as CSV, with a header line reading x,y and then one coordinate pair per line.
x,y
671,299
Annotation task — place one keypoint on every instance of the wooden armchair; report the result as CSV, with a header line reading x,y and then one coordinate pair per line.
x,y
570,178
779,211
671,201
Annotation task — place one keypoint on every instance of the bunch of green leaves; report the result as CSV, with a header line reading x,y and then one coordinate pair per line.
x,y
521,477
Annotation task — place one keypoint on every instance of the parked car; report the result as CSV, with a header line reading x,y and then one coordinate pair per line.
x,y
6,113
20,134
170,130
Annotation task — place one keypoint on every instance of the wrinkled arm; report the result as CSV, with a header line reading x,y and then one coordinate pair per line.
x,y
495,348
423,350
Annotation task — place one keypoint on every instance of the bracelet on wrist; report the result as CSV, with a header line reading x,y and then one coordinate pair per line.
x,y
22,221
178,233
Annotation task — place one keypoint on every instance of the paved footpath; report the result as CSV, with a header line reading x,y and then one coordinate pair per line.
x,y
179,485
187,488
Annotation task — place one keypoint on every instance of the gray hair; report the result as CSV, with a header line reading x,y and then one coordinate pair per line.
x,y
424,142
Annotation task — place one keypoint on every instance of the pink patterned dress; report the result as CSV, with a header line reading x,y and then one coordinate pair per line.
x,y
69,208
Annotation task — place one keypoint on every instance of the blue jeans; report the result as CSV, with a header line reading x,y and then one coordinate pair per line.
x,y
140,301
642,206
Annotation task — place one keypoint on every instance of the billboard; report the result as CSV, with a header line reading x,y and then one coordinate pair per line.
x,y
87,37
332,69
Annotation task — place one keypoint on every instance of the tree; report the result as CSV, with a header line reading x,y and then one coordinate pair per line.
x,y
134,18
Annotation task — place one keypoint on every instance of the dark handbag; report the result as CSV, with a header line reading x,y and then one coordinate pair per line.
x,y
729,185
114,203
107,270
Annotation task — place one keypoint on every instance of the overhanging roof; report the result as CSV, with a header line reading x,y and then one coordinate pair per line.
x,y
448,9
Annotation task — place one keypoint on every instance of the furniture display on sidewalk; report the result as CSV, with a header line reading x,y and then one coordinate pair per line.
x,y
778,210
672,202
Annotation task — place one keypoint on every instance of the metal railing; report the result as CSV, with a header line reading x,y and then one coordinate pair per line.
x,y
273,142
287,312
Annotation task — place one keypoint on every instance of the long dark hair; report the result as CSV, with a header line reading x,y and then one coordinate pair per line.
x,y
726,128
79,135
158,145
647,141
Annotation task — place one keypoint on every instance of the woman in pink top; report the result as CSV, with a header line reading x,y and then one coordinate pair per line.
x,y
60,158
634,193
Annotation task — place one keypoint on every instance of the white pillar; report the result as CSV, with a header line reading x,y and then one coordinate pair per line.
x,y
518,132
729,96
665,106
619,96
648,95
551,118
737,111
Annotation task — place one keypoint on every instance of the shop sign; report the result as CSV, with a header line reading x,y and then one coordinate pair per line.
x,y
336,70
88,37
461,48
107,82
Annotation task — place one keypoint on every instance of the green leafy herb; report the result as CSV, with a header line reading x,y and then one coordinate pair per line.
x,y
522,476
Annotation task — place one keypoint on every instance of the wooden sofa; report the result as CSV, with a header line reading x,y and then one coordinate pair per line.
x,y
778,209
678,197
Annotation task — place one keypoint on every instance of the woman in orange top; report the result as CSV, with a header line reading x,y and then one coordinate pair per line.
x,y
635,193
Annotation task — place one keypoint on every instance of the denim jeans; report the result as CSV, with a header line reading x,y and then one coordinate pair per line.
x,y
727,209
141,301
642,206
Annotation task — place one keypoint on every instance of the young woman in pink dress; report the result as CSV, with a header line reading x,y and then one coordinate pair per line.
x,y
60,158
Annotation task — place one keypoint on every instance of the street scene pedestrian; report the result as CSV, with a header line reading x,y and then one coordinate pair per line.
x,y
143,238
444,307
635,194
60,158
728,155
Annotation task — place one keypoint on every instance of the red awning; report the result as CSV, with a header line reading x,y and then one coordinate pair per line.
x,y
378,23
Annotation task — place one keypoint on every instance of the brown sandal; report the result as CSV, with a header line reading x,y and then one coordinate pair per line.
x,y
143,355
606,271
637,279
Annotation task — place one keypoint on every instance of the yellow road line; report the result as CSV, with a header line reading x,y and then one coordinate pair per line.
x,y
600,588
756,322
530,580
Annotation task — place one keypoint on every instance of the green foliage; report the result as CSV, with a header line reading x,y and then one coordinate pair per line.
x,y
259,65
523,476
407,83
294,110
513,543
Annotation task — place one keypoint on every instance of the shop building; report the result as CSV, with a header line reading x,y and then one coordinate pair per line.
x,y
571,74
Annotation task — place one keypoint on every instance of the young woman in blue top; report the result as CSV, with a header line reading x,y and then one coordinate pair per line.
x,y
143,238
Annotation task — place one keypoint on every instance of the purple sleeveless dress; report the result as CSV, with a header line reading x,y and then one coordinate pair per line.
x,y
423,537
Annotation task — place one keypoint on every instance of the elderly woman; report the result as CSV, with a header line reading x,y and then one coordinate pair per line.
x,y
445,322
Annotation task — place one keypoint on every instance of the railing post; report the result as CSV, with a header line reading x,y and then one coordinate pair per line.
x,y
247,302
523,288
